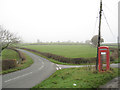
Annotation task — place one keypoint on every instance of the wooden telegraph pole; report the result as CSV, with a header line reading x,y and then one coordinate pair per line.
x,y
99,32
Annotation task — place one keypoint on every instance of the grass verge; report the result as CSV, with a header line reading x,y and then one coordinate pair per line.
x,y
28,62
10,54
77,78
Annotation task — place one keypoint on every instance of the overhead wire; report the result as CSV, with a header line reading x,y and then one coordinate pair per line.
x,y
95,25
108,24
96,22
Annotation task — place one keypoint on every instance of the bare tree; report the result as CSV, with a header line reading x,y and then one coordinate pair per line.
x,y
7,38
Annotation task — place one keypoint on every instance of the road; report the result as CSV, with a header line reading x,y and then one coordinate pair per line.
x,y
29,77
40,70
114,83
72,66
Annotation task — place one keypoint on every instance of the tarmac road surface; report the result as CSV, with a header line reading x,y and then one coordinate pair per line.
x,y
29,77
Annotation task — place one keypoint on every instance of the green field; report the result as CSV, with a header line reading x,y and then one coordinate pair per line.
x,y
82,77
72,51
9,54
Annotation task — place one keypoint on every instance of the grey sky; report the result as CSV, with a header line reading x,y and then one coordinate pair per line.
x,y
63,20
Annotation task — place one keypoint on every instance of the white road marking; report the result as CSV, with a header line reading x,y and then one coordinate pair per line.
x,y
41,66
18,77
78,66
57,68
57,65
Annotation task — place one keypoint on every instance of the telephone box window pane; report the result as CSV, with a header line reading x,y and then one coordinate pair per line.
x,y
103,60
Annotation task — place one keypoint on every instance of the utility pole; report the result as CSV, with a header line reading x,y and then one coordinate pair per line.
x,y
99,32
118,46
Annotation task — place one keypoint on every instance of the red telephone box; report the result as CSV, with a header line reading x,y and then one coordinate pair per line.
x,y
103,58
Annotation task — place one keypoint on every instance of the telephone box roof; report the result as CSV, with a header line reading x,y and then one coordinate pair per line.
x,y
103,47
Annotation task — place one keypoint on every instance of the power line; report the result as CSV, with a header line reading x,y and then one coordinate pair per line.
x,y
108,24
95,25
96,22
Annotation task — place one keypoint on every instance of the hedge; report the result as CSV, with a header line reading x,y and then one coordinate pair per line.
x,y
8,64
21,55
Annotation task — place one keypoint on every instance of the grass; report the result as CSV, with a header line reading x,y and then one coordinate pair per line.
x,y
9,54
28,62
57,62
82,77
71,51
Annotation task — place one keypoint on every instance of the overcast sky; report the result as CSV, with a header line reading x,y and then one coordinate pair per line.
x,y
63,20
